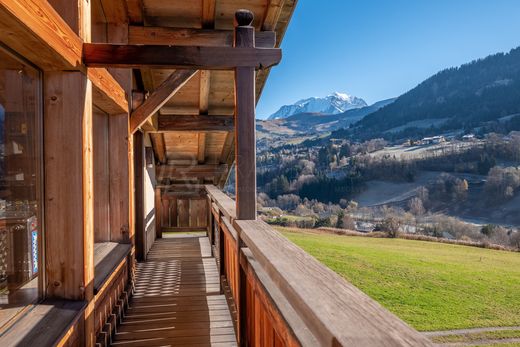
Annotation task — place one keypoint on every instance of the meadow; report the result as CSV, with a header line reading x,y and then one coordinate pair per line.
x,y
431,286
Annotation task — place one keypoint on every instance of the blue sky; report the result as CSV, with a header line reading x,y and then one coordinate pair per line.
x,y
378,49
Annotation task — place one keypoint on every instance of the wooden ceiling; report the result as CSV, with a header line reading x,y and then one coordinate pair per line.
x,y
207,93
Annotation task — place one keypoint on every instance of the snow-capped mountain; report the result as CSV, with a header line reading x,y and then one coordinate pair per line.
x,y
331,104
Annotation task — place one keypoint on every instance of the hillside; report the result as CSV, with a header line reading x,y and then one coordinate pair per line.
x,y
430,285
456,98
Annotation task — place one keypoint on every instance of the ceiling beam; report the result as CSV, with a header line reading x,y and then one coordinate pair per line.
x,y
189,172
201,153
140,35
159,97
274,10
159,147
196,123
179,57
208,13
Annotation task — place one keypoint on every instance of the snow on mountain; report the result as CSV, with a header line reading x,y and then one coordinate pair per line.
x,y
331,104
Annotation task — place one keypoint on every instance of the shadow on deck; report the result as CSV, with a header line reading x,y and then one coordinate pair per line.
x,y
177,299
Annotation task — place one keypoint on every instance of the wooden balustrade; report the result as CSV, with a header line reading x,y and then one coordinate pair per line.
x,y
285,297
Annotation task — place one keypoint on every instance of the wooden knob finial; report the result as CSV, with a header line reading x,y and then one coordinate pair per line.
x,y
244,17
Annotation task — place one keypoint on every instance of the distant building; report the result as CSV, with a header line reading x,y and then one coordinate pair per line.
x,y
433,140
468,137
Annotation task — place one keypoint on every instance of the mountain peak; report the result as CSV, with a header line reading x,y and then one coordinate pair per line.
x,y
332,104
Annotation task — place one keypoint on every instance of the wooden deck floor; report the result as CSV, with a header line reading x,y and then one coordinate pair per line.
x,y
177,301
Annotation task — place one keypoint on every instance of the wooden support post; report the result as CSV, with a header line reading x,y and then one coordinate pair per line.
x,y
69,188
245,138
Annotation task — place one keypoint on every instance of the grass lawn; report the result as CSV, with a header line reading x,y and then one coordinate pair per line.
x,y
431,286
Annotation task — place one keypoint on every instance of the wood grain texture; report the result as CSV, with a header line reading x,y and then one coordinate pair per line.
x,y
135,11
205,85
68,163
119,178
201,156
159,147
159,97
335,312
274,10
208,13
177,299
145,35
195,123
245,132
178,57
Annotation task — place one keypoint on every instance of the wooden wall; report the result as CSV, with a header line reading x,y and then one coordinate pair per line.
x,y
183,212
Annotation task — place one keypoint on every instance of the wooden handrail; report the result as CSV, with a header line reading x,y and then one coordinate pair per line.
x,y
328,309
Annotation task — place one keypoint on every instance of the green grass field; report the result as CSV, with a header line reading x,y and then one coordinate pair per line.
x,y
431,286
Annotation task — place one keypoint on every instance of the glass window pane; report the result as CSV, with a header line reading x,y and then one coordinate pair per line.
x,y
20,176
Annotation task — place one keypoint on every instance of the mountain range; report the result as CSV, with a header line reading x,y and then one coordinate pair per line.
x,y
334,103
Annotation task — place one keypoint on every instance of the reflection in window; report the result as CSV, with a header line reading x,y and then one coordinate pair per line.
x,y
20,189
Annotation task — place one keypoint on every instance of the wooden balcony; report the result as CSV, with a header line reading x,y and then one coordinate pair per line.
x,y
242,282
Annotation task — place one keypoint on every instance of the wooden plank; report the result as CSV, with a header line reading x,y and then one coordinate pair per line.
x,y
195,123
179,57
187,172
208,13
245,132
272,15
201,155
45,324
205,79
101,177
108,94
35,30
135,11
159,97
184,229
159,148
141,35
108,256
183,209
119,178
115,11
330,308
225,204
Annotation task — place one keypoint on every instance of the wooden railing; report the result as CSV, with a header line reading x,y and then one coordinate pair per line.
x,y
285,297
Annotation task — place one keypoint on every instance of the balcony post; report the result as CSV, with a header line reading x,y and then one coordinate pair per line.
x,y
245,138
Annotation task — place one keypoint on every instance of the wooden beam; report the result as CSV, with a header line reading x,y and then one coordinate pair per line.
x,y
272,15
135,11
189,172
208,13
158,213
179,57
245,132
195,123
205,78
201,153
35,30
159,147
159,97
108,94
115,11
226,149
140,35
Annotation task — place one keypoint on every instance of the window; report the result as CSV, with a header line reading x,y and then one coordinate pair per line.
x,y
20,185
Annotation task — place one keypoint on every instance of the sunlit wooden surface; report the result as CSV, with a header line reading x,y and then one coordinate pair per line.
x,y
177,301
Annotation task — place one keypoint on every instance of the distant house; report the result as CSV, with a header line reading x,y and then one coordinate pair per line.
x,y
468,137
433,140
